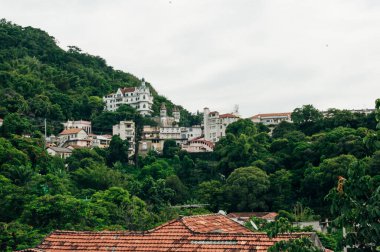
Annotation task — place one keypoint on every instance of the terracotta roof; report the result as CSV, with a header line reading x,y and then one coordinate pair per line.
x,y
197,233
127,90
70,131
228,116
272,114
214,223
202,140
263,215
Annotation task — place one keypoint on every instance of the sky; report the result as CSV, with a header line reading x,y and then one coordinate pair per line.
x,y
263,55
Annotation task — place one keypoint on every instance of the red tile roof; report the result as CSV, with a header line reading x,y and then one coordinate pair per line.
x,y
70,131
127,90
196,233
228,116
272,114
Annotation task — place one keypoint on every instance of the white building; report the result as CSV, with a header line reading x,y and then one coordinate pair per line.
x,y
101,141
139,98
190,133
59,151
126,131
215,124
272,118
85,125
1,122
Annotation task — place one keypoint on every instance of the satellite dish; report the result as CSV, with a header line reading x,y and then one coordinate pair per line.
x,y
254,225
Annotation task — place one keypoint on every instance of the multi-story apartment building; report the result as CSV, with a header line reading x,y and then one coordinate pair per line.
x,y
139,98
215,124
126,131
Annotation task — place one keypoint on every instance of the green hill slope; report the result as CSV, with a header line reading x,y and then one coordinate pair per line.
x,y
41,80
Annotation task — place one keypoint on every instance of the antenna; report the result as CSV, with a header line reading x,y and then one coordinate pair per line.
x,y
236,109
45,131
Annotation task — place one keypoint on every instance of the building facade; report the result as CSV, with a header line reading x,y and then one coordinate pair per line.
x,y
139,98
85,125
126,131
215,124
59,151
73,135
272,118
168,121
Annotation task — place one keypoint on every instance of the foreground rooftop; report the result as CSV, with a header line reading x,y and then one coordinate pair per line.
x,y
214,232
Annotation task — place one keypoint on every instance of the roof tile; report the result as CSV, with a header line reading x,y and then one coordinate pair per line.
x,y
194,233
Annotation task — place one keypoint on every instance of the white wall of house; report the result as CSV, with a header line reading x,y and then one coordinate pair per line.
x,y
139,98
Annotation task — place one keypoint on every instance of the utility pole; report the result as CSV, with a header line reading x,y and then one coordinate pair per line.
x,y
45,133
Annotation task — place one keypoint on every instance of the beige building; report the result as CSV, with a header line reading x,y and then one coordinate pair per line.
x,y
59,151
272,118
72,135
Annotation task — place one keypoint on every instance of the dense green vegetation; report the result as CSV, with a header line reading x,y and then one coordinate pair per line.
x,y
293,168
39,79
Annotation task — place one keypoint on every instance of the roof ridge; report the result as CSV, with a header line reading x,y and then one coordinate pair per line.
x,y
201,215
212,214
161,226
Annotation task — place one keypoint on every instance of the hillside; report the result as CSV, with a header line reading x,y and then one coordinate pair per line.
x,y
41,80
320,167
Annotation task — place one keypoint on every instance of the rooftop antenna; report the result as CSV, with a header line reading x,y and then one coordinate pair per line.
x,y
236,109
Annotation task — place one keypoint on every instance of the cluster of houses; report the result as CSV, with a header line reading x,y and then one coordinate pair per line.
x,y
197,138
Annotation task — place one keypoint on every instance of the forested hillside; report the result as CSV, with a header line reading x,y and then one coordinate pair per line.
x,y
41,80
315,168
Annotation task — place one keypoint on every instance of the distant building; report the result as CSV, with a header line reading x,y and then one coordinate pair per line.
x,y
59,151
243,217
126,131
153,138
72,135
1,122
215,124
198,145
85,125
168,121
272,118
101,141
139,98
326,113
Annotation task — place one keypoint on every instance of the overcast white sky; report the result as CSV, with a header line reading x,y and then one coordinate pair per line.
x,y
265,55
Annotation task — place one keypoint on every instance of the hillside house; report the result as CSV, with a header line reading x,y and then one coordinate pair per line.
x,y
139,98
59,151
72,135
272,118
215,124
213,232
